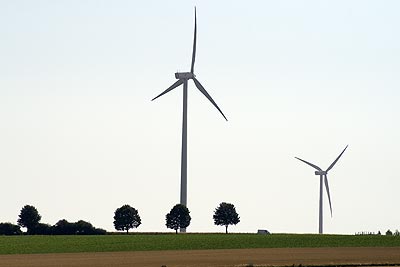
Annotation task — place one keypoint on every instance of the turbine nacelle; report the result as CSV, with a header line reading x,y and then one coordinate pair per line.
x,y
320,172
184,75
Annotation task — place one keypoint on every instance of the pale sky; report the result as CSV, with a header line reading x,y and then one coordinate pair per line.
x,y
80,137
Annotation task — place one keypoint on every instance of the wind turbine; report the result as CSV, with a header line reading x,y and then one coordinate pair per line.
x,y
323,177
183,78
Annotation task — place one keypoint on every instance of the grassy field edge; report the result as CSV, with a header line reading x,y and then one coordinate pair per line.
x,y
150,242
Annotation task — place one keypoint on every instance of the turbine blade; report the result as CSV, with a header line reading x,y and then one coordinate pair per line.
x,y
201,89
327,190
333,163
194,41
312,165
176,84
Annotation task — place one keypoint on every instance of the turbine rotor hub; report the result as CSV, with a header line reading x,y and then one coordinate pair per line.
x,y
184,75
320,172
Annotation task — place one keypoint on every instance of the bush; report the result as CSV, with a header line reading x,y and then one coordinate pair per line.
x,y
42,229
83,228
388,232
99,231
86,228
10,229
63,227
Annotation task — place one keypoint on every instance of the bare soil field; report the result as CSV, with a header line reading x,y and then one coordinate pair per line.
x,y
223,257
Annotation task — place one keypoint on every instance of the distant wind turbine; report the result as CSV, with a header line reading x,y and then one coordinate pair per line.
x,y
323,177
183,78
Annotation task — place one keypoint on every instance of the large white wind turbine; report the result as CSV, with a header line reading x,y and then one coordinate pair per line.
x,y
183,78
323,177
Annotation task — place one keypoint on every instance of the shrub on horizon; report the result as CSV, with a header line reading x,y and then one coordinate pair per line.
x,y
42,229
10,229
63,227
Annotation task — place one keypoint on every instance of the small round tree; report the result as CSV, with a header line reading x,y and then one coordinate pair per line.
x,y
178,217
126,218
226,214
29,218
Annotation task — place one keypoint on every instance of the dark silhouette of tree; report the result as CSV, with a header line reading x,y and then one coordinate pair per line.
x,y
388,232
29,218
10,229
226,214
64,227
42,229
126,218
98,231
178,217
83,228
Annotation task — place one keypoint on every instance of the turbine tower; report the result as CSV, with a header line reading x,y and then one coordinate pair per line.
x,y
323,178
183,78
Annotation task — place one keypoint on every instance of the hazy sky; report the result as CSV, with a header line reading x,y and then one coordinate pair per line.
x,y
79,136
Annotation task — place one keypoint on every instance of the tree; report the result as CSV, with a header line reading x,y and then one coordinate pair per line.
x,y
9,229
226,214
64,227
29,217
42,229
388,232
178,217
126,218
99,231
83,228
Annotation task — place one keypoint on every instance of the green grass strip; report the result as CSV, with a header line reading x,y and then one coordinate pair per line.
x,y
147,242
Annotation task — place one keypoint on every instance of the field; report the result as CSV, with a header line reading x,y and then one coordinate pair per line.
x,y
289,257
161,242
199,250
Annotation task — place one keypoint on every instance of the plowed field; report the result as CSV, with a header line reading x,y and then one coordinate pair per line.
x,y
223,257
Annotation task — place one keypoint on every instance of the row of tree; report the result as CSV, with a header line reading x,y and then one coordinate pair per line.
x,y
388,232
396,233
127,217
29,217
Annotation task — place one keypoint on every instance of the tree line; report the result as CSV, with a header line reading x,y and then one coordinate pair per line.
x,y
125,218
388,232
29,218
